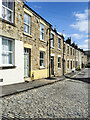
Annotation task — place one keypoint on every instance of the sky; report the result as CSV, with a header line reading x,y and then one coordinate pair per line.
x,y
69,18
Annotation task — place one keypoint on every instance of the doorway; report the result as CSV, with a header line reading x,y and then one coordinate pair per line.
x,y
52,65
26,62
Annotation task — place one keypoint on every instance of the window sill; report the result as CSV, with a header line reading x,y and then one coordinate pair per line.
x,y
59,68
7,67
27,35
43,41
59,49
52,47
3,20
42,68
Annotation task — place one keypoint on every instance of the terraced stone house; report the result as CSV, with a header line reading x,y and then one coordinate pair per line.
x,y
30,48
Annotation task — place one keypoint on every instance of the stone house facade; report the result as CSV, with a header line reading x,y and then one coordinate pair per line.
x,y
36,42
56,53
29,48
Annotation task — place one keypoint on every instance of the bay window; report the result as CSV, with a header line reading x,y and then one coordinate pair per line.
x,y
7,51
42,59
27,24
8,10
41,31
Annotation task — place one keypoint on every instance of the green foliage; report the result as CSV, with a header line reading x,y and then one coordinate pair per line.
x,y
83,65
78,68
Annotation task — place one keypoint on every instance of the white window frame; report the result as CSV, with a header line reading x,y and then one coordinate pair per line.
x,y
1,51
43,59
52,41
42,31
29,25
7,9
59,62
59,43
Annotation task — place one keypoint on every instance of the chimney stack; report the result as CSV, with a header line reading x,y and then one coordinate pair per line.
x,y
68,40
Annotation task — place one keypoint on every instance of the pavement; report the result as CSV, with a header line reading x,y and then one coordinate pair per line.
x,y
20,87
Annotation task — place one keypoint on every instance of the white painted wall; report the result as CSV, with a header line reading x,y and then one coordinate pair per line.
x,y
15,75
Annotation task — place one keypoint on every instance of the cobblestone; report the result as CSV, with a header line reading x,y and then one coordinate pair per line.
x,y
64,99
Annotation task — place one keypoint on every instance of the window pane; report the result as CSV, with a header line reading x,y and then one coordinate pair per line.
x,y
40,36
10,58
4,45
41,63
10,45
26,18
4,2
5,58
10,5
7,51
51,43
9,15
26,28
41,31
41,27
41,55
3,12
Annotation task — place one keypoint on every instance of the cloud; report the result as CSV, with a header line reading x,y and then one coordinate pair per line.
x,y
77,36
81,23
86,41
85,44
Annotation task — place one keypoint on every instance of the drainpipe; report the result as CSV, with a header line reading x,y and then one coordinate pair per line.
x,y
49,53
75,58
63,56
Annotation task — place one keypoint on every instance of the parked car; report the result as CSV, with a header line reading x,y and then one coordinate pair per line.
x,y
88,65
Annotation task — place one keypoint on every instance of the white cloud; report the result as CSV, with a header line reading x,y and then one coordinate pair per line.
x,y
81,23
77,36
85,44
86,41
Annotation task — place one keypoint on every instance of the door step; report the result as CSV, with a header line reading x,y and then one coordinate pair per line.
x,y
27,79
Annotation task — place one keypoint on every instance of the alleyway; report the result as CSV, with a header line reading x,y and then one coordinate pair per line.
x,y
64,99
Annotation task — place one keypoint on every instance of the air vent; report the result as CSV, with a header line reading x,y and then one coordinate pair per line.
x,y
1,80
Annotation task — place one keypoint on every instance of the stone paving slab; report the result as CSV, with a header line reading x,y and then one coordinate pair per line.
x,y
64,99
20,87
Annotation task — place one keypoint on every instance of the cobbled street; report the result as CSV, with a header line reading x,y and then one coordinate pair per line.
x,y
64,99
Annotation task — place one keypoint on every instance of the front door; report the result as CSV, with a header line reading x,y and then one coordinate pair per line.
x,y
26,62
71,65
64,66
52,65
